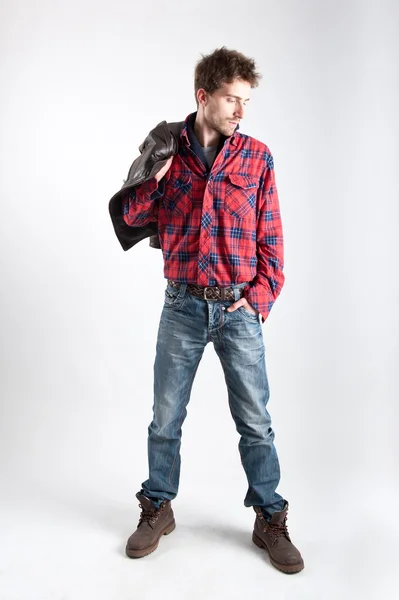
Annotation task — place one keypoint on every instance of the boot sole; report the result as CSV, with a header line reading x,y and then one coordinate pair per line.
x,y
289,569
145,551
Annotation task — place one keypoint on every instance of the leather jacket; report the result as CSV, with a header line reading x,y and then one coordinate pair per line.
x,y
161,143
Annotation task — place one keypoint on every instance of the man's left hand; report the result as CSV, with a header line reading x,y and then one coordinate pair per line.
x,y
243,302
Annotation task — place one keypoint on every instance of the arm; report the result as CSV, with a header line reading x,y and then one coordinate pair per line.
x,y
140,205
269,280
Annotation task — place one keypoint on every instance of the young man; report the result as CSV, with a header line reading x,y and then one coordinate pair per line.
x,y
216,206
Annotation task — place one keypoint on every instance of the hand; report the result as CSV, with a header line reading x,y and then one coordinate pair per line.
x,y
158,176
243,302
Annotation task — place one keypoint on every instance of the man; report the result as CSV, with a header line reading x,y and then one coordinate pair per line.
x,y
216,206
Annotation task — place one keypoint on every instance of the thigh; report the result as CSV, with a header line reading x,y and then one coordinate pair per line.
x,y
182,333
242,354
180,345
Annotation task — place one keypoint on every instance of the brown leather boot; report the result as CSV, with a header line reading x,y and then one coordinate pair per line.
x,y
153,524
273,536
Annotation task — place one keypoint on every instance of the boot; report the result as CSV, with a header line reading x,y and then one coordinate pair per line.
x,y
153,524
273,536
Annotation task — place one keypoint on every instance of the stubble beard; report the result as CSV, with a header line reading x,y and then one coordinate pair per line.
x,y
222,126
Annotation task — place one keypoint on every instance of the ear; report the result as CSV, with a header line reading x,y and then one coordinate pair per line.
x,y
202,97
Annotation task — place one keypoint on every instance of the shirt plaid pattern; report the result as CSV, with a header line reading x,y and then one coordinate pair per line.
x,y
218,227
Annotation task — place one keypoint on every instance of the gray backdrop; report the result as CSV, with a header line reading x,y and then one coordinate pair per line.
x,y
82,84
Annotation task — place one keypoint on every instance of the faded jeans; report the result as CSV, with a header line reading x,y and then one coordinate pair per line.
x,y
187,324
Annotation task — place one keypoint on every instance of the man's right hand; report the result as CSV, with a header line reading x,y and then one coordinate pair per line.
x,y
164,169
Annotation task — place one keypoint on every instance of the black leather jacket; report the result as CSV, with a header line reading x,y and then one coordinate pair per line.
x,y
161,143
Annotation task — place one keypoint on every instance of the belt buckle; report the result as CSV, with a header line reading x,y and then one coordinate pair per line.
x,y
207,288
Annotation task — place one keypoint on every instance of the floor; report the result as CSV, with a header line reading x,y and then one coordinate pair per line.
x,y
69,545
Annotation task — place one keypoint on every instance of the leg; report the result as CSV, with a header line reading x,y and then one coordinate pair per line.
x,y
181,342
240,348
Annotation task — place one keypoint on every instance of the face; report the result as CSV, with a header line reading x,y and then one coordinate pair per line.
x,y
225,108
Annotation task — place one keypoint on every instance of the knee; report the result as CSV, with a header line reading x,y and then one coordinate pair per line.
x,y
257,433
166,423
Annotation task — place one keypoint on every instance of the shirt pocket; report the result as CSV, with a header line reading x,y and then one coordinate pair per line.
x,y
177,198
240,197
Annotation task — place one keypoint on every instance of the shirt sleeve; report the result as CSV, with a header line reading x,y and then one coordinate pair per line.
x,y
140,204
269,280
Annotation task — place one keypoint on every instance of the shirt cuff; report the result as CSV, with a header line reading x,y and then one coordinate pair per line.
x,y
148,188
260,299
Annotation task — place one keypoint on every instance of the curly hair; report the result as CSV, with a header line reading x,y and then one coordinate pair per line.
x,y
223,66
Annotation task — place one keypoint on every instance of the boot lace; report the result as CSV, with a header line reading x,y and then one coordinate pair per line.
x,y
275,530
150,516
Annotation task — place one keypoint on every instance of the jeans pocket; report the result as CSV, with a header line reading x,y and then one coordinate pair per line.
x,y
173,297
249,316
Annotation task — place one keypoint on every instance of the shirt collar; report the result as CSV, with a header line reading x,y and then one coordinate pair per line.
x,y
187,133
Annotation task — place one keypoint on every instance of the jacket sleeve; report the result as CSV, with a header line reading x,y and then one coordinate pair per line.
x,y
269,280
140,204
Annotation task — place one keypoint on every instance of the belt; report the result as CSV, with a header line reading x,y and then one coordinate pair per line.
x,y
209,292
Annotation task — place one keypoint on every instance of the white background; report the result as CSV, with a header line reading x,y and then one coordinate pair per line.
x,y
82,83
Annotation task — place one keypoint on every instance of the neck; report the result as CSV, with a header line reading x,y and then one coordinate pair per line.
x,y
206,135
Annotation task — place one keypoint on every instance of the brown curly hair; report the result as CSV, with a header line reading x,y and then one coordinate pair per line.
x,y
223,66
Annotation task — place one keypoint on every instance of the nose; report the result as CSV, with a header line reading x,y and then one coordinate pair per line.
x,y
239,111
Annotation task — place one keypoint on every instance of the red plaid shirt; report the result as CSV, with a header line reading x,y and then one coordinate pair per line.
x,y
219,227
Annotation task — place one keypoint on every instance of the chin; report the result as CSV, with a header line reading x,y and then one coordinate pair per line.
x,y
227,131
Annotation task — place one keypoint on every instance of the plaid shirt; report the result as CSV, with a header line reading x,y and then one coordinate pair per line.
x,y
220,226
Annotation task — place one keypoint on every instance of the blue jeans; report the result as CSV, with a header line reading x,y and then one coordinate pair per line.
x,y
187,324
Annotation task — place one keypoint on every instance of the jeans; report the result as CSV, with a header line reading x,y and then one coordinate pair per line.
x,y
187,324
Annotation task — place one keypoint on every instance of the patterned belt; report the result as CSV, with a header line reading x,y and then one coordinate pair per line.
x,y
209,292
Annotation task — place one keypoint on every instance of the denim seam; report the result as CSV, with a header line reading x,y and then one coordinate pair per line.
x,y
220,332
180,423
